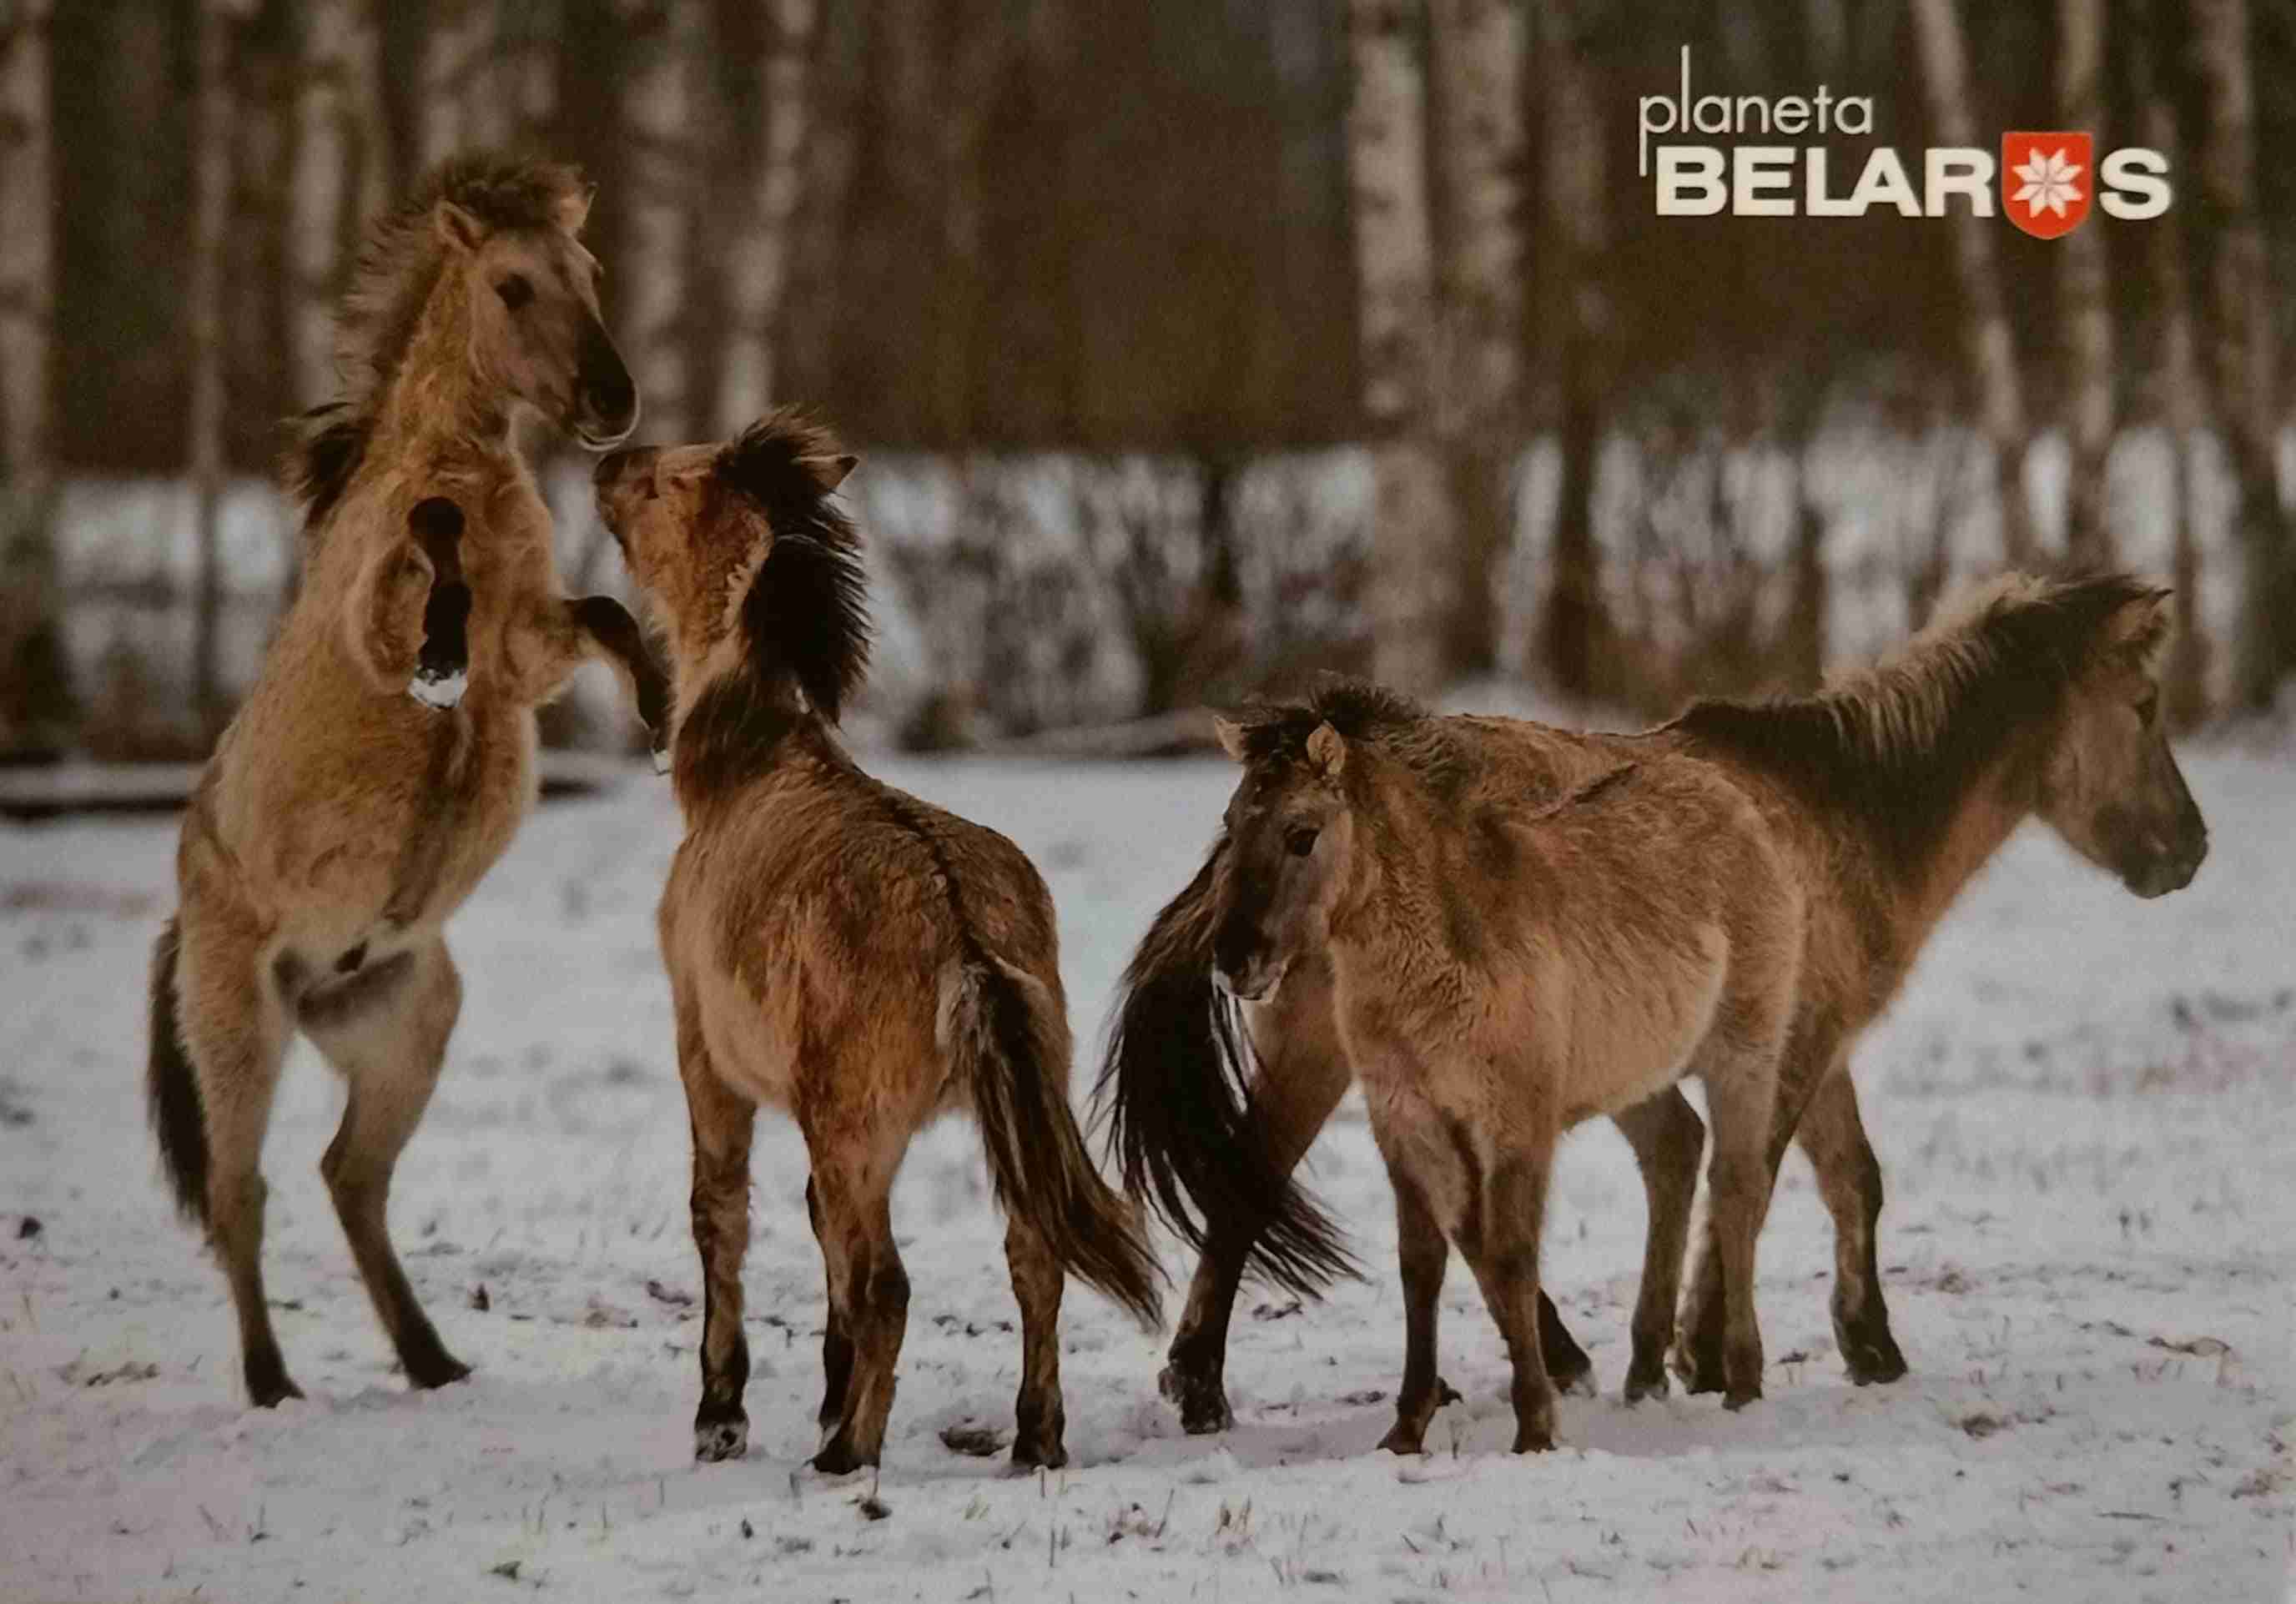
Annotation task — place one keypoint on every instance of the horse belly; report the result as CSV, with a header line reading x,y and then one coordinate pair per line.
x,y
1645,1027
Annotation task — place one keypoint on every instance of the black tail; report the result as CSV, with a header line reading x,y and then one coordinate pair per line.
x,y
1175,1091
1015,1046
173,1092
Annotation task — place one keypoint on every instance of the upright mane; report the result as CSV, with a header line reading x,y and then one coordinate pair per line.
x,y
806,615
1361,711
1899,744
398,268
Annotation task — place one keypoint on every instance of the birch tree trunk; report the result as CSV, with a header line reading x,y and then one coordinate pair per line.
x,y
2241,354
2186,682
1477,60
2084,301
1413,532
465,102
768,146
1578,196
339,177
203,315
657,80
34,693
1986,344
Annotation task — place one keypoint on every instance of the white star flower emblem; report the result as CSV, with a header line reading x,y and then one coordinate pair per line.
x,y
2049,182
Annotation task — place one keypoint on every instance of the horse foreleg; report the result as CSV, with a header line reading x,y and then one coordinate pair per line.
x,y
560,634
1849,1180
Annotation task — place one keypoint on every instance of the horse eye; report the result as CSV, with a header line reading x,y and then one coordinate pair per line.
x,y
515,291
1300,840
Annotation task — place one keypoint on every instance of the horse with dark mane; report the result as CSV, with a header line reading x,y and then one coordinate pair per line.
x,y
842,950
1891,787
386,754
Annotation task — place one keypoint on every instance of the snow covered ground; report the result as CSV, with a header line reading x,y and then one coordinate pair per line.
x,y
2086,1107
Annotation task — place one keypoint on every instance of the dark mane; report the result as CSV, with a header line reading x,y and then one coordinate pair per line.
x,y
1898,746
1362,711
806,616
398,268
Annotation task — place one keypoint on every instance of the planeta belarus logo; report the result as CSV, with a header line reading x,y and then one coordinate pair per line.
x,y
2046,181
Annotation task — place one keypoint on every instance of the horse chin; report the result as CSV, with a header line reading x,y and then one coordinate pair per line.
x,y
2158,877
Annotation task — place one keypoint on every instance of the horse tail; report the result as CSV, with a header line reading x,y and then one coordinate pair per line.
x,y
1175,1089
1011,1046
172,1089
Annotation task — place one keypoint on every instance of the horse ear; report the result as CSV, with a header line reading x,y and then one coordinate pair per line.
x,y
574,210
829,472
458,227
2140,625
1327,751
1231,736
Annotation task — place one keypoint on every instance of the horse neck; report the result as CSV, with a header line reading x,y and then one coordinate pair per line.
x,y
435,406
734,724
1987,817
1389,895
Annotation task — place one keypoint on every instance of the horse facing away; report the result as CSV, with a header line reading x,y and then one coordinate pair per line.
x,y
841,949
1892,787
385,756
1503,968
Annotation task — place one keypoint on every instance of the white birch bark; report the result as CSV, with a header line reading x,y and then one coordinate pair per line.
x,y
1986,344
2084,298
1477,59
2241,347
1413,533
212,120
338,180
650,266
760,258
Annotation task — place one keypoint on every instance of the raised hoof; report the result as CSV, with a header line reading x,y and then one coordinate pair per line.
x,y
661,760
838,1457
717,1440
1652,1385
1202,1403
438,689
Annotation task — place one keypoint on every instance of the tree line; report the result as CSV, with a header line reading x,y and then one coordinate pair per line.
x,y
1214,230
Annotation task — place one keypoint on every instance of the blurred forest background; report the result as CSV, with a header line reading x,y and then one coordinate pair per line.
x,y
1193,343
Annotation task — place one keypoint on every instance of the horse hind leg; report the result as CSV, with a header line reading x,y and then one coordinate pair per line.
x,y
836,1341
1040,1419
385,1029
234,1031
1849,1180
1668,1139
869,1292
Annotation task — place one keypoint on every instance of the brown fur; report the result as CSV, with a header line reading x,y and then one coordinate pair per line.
x,y
1891,789
840,949
1503,968
341,821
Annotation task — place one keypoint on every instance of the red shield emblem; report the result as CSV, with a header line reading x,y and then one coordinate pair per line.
x,y
2046,180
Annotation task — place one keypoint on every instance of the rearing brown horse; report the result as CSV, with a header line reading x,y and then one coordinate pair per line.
x,y
385,756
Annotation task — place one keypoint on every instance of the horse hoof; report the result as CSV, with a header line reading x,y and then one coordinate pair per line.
x,y
443,1370
1202,1404
1653,1385
720,1440
439,688
1039,1456
1534,1442
838,1457
1873,1361
1404,1441
1737,1398
661,760
1699,1372
273,1393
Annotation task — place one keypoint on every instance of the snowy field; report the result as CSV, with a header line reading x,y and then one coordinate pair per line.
x,y
2086,1107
